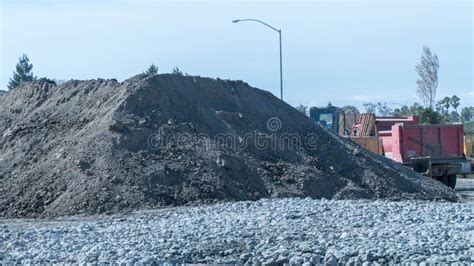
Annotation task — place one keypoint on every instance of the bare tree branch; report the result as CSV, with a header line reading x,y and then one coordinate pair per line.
x,y
427,82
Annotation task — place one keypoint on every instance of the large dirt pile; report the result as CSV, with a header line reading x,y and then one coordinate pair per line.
x,y
2,94
101,146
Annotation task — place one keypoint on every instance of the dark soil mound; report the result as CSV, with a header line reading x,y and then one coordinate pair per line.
x,y
2,94
101,146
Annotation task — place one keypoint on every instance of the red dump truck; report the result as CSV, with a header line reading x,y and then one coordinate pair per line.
x,y
434,150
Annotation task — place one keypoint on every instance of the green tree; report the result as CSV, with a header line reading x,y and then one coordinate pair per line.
x,y
152,70
466,114
378,108
427,82
405,110
23,72
370,107
427,115
402,111
350,109
416,109
445,103
302,108
383,109
454,117
454,101
430,116
178,72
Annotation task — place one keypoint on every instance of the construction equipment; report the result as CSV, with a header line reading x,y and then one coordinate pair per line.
x,y
366,135
434,150
331,117
441,146
367,125
437,151
469,151
359,128
468,145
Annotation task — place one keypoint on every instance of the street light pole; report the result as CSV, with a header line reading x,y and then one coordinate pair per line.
x,y
281,55
281,69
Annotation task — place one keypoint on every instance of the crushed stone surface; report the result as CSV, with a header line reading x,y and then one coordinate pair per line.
x,y
266,232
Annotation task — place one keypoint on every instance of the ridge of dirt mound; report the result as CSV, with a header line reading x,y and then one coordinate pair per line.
x,y
2,95
101,146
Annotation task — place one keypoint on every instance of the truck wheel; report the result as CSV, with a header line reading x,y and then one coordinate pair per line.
x,y
444,179
452,181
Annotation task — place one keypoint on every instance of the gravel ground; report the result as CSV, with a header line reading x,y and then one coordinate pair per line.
x,y
267,231
465,187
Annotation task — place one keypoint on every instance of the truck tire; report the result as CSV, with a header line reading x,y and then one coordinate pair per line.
x,y
444,179
452,181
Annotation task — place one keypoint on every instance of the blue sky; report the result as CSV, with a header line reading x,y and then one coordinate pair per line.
x,y
346,52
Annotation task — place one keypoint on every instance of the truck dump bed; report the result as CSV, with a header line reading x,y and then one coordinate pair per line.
x,y
439,142
384,129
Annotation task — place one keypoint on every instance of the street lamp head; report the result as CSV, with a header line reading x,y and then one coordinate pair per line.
x,y
279,33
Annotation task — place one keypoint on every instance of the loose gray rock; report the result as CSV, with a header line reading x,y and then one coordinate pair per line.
x,y
387,233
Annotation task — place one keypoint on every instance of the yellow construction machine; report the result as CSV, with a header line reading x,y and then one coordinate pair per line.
x,y
359,128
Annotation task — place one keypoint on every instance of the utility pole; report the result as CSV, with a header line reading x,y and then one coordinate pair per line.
x,y
281,54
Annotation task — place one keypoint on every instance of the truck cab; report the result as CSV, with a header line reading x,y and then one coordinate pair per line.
x,y
331,117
